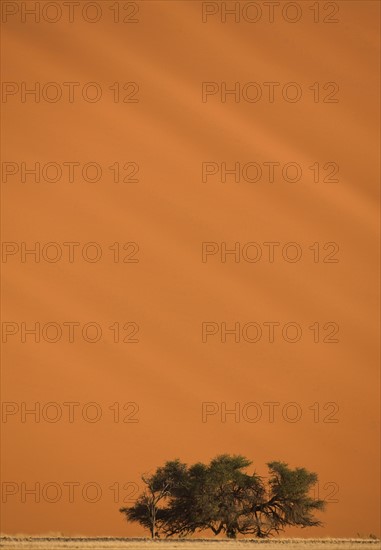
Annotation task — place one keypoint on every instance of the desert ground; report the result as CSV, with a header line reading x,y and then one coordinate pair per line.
x,y
47,543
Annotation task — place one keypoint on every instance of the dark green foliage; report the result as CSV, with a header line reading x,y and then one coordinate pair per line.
x,y
159,488
222,497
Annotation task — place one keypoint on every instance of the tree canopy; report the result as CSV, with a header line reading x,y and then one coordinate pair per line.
x,y
179,500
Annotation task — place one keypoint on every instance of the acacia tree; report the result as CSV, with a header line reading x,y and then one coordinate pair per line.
x,y
217,496
158,490
224,498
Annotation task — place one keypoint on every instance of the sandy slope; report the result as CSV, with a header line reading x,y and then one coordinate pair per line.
x,y
170,373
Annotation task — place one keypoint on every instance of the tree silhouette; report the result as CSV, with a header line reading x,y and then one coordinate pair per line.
x,y
221,496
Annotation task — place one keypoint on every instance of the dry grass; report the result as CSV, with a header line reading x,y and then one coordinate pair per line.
x,y
79,543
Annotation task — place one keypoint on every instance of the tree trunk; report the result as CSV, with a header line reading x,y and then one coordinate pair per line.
x,y
153,528
231,533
